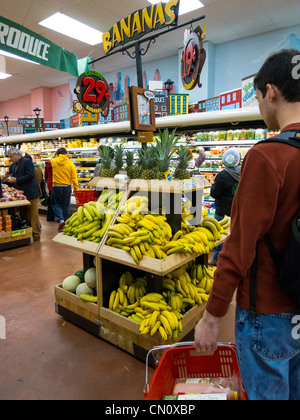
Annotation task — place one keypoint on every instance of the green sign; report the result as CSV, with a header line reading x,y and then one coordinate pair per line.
x,y
20,41
141,23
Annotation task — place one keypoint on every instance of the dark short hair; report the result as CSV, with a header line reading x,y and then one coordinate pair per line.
x,y
278,70
61,151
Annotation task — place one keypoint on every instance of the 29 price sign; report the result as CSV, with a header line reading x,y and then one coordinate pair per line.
x,y
92,92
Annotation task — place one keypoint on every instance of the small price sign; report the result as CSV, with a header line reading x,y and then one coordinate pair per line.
x,y
92,92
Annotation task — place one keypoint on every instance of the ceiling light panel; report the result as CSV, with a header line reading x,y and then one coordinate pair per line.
x,y
72,28
186,6
17,57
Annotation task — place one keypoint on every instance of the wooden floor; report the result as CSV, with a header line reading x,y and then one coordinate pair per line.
x,y
44,357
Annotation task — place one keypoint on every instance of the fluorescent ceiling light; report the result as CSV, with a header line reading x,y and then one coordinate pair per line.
x,y
186,6
7,54
73,28
4,75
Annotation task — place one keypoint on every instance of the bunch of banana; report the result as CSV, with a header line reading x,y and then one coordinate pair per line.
x,y
203,277
89,223
126,298
159,317
110,199
216,228
139,232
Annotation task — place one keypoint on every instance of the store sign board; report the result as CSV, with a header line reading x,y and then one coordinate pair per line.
x,y
20,41
193,58
140,23
92,92
30,121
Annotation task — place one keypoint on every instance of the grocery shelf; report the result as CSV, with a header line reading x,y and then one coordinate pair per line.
x,y
187,122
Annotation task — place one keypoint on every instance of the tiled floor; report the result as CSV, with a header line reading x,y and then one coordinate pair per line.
x,y
43,356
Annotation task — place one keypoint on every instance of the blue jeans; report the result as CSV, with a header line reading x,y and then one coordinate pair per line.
x,y
61,200
219,248
269,355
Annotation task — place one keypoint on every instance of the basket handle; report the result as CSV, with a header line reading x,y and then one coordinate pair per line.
x,y
171,346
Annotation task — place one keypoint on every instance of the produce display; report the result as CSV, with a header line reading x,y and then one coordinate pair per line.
x,y
184,288
83,284
144,234
91,220
11,194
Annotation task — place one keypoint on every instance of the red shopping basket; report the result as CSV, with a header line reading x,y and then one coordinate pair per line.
x,y
85,196
181,360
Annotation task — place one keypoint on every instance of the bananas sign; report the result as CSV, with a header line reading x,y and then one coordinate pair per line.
x,y
140,23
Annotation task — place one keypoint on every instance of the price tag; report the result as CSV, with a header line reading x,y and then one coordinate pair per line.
x,y
93,92
18,233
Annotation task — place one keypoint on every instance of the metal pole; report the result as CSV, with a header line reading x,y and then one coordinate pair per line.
x,y
139,65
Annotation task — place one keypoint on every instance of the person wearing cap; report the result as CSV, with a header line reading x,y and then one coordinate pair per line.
x,y
224,188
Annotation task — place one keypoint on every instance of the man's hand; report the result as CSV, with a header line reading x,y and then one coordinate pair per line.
x,y
206,333
12,180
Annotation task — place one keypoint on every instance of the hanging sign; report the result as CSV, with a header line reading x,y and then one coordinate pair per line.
x,y
20,41
140,23
92,92
193,58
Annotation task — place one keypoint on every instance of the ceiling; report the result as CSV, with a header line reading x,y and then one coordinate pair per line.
x,y
226,20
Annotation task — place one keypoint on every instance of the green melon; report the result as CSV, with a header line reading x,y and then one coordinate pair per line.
x,y
71,283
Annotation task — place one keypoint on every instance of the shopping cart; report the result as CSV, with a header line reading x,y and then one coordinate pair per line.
x,y
181,360
85,196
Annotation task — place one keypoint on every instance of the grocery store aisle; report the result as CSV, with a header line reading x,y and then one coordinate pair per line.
x,y
43,356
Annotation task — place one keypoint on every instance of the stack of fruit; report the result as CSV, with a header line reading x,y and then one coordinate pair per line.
x,y
184,288
141,233
91,220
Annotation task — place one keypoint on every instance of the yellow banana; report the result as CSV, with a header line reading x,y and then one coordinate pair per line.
x,y
152,297
116,301
153,319
173,321
155,328
112,299
166,324
134,256
163,333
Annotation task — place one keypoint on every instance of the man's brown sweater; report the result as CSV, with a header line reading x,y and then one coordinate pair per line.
x,y
267,199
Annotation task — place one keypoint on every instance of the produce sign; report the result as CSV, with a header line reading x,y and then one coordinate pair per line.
x,y
193,58
20,41
141,23
92,92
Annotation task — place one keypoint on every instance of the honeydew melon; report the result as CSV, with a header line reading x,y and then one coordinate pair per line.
x,y
84,289
71,283
90,278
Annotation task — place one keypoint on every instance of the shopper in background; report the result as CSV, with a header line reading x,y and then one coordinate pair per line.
x,y
201,158
48,177
22,177
224,188
64,176
267,199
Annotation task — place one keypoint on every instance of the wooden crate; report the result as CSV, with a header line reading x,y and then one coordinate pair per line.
x,y
124,333
73,303
87,247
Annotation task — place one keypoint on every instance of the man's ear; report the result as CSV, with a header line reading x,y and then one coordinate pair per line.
x,y
272,92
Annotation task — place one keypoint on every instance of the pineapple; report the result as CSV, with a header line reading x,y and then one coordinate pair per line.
x,y
165,146
106,160
118,159
149,162
129,163
181,171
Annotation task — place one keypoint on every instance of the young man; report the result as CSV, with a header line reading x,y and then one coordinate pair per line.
x,y
22,177
64,176
267,199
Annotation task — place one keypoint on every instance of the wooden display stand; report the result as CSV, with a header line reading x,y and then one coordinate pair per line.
x,y
111,263
15,238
